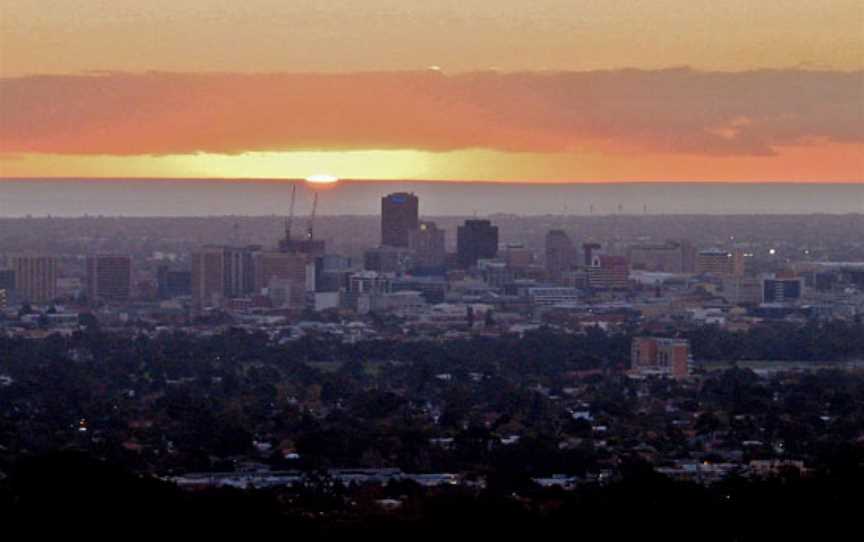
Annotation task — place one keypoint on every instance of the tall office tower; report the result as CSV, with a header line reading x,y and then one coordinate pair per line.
x,y
240,271
35,278
220,273
109,278
559,253
331,273
475,240
284,269
428,243
688,256
208,276
720,262
399,216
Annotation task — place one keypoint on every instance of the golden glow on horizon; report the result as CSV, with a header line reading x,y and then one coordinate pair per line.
x,y
828,162
322,179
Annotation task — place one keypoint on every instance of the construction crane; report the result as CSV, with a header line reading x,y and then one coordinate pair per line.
x,y
290,220
310,229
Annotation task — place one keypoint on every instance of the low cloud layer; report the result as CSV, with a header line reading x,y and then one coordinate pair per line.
x,y
675,110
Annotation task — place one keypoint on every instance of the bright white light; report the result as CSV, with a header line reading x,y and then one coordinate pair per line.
x,y
772,251
322,179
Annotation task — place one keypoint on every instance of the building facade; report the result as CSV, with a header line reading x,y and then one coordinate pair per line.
x,y
287,271
660,356
782,290
428,242
220,273
559,253
720,262
35,278
399,217
109,278
609,272
476,240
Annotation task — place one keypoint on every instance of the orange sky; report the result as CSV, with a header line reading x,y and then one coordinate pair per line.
x,y
525,91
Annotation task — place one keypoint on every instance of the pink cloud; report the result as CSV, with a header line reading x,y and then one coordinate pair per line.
x,y
675,110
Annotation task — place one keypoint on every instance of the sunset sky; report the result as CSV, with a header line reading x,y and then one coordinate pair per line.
x,y
554,90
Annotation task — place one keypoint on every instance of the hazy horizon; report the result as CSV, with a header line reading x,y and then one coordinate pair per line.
x,y
254,197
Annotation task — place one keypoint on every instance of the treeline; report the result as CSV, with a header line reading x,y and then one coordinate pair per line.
x,y
641,504
835,340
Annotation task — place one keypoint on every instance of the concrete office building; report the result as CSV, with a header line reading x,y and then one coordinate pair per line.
x,y
399,217
109,278
559,253
476,240
428,242
35,278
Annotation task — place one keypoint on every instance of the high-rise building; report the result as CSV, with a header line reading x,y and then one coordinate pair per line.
x,y
220,273
35,278
666,357
475,240
286,270
559,253
331,273
720,262
3,299
208,276
428,243
109,278
399,216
